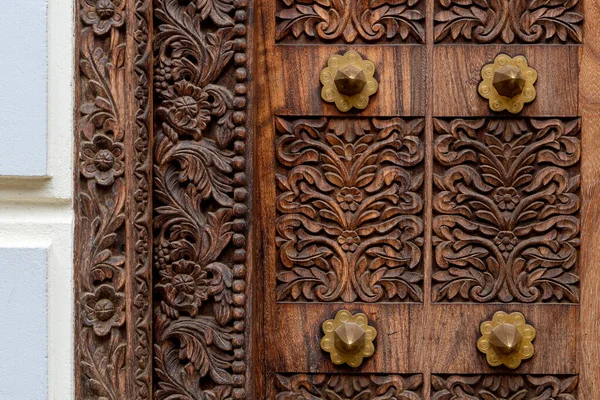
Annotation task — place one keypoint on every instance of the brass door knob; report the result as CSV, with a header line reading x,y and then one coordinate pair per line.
x,y
508,83
348,338
348,81
506,340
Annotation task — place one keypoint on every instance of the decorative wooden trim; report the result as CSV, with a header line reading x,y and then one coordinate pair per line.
x,y
201,199
112,206
589,107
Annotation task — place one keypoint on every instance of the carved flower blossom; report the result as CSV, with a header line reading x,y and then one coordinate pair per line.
x,y
506,242
349,198
102,15
349,240
102,160
187,110
185,286
103,310
506,198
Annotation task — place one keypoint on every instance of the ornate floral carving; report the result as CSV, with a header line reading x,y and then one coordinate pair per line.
x,y
348,387
500,387
348,209
331,20
200,199
506,210
509,21
141,238
103,15
102,160
100,204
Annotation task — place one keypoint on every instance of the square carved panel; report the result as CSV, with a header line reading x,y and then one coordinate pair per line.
x,y
349,205
506,203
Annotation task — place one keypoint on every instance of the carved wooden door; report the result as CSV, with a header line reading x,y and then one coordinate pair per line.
x,y
228,206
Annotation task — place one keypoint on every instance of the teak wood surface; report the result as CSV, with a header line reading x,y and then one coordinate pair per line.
x,y
224,211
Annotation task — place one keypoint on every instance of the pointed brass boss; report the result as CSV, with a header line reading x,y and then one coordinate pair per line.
x,y
508,83
348,338
506,340
348,81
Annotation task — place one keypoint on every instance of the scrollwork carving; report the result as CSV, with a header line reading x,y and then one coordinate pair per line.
x,y
509,21
200,199
499,387
101,276
506,210
348,387
347,20
349,204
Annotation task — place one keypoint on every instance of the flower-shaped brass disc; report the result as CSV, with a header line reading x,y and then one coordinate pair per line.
x,y
506,340
348,338
348,81
508,83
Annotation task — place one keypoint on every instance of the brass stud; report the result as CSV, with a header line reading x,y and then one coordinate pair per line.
x,y
348,81
508,83
506,340
348,338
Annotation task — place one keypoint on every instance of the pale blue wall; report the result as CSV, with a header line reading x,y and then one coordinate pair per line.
x,y
23,93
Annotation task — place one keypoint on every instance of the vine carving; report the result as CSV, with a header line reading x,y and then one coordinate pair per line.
x,y
347,20
100,203
499,387
348,387
506,210
349,207
509,21
200,199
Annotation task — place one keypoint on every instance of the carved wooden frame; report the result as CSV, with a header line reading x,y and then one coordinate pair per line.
x,y
116,167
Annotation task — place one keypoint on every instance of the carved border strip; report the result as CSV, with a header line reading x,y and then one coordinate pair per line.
x,y
112,211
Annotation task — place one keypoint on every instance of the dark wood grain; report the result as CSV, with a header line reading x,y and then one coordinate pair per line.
x,y
589,91
455,330
457,73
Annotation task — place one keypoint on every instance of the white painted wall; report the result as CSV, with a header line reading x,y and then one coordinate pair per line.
x,y
36,216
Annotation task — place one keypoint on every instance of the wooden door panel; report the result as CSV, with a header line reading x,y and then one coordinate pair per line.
x,y
295,89
456,330
296,333
457,73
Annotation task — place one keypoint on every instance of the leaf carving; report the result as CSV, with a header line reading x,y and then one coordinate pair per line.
x,y
506,210
349,206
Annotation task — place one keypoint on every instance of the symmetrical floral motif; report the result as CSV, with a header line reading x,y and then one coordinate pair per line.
x,y
370,20
348,387
103,15
200,199
501,387
506,210
508,21
348,205
102,160
103,310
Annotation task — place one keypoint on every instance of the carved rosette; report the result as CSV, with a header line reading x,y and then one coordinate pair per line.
x,y
500,387
508,21
349,209
200,199
347,21
348,387
506,210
